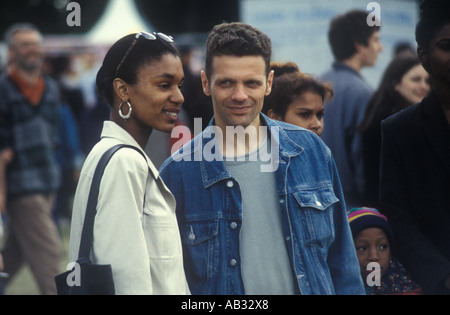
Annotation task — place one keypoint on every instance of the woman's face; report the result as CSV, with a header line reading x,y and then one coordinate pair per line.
x,y
307,112
156,98
414,85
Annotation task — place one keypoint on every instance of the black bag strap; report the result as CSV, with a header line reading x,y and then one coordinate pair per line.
x,y
91,209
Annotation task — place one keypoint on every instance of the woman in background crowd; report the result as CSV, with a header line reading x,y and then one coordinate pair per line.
x,y
297,98
404,83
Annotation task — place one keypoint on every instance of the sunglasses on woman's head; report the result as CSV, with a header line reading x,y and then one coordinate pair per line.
x,y
145,35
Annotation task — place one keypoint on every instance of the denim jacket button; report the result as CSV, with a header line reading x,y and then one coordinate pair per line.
x,y
230,184
233,262
233,225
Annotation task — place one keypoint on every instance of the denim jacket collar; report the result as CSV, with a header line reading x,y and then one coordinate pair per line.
x,y
215,171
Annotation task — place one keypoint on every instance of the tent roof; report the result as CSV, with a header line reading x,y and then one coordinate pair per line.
x,y
121,17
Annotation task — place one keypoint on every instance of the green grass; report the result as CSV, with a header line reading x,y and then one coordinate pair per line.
x,y
24,283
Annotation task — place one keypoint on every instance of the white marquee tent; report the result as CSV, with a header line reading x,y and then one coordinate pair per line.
x,y
121,17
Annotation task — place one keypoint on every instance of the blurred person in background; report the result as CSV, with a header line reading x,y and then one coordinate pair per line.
x,y
404,83
29,122
69,153
297,98
355,45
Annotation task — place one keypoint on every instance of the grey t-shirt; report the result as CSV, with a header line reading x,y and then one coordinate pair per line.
x,y
265,263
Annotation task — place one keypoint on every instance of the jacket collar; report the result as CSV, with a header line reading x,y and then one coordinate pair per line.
x,y
114,131
215,171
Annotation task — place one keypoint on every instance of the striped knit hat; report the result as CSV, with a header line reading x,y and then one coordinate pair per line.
x,y
364,218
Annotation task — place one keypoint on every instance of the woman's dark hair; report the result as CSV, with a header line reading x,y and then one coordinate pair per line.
x,y
289,84
348,29
386,100
434,14
144,52
237,39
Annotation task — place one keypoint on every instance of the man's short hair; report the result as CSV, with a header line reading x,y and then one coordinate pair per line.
x,y
346,30
434,14
19,27
237,39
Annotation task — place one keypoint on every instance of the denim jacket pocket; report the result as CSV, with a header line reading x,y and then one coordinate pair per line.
x,y
200,240
196,232
316,215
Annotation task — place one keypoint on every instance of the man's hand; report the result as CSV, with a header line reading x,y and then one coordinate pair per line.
x,y
6,157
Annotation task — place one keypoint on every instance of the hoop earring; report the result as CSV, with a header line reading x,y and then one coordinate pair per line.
x,y
130,110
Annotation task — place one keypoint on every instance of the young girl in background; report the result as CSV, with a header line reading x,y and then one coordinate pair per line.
x,y
374,242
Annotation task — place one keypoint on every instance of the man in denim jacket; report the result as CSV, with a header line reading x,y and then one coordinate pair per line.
x,y
259,202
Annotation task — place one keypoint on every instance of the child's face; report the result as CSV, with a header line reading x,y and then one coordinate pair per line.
x,y
372,245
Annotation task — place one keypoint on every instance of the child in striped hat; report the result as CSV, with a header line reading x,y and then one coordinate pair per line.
x,y
373,238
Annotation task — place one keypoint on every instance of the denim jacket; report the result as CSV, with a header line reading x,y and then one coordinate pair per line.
x,y
317,234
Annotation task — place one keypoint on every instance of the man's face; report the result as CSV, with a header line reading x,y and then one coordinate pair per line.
x,y
369,53
237,87
26,50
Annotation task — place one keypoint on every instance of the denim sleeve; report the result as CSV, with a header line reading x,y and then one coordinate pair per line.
x,y
342,260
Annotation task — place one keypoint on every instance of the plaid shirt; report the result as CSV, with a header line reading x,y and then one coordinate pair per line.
x,y
32,132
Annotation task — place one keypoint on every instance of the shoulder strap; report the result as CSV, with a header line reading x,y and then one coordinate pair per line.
x,y
91,209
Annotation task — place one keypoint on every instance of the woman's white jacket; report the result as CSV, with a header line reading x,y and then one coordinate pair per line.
x,y
135,227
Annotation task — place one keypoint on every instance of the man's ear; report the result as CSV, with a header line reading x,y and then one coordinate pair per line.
x,y
359,47
205,84
121,89
269,83
423,57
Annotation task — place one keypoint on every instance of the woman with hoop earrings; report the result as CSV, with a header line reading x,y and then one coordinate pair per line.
x,y
135,227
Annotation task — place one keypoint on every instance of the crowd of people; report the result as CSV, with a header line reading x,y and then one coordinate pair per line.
x,y
355,200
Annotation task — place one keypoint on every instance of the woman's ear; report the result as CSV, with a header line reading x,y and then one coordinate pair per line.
x,y
121,89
